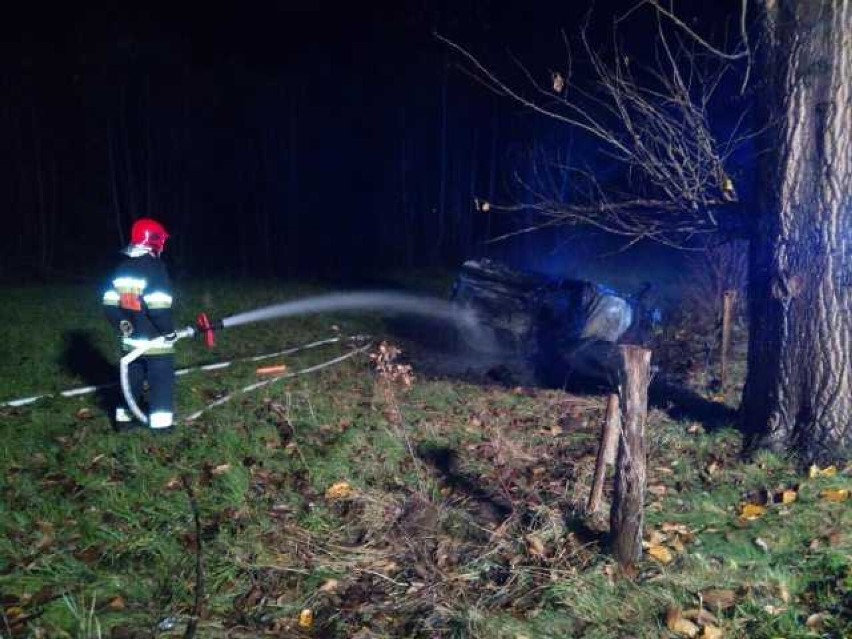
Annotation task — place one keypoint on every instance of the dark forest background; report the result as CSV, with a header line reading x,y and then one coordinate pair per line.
x,y
272,139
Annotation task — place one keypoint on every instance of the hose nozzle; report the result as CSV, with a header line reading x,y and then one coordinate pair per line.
x,y
208,329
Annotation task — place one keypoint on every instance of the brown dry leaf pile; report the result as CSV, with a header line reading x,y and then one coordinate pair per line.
x,y
670,540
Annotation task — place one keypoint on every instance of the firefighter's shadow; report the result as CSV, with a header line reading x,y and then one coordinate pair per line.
x,y
82,358
444,460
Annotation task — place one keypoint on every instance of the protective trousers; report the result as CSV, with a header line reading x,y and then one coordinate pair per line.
x,y
159,371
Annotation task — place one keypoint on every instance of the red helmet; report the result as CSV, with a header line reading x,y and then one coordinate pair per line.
x,y
150,234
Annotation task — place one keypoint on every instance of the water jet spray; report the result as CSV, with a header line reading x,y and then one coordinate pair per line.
x,y
385,301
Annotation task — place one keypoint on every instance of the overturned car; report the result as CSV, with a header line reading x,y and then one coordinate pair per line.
x,y
550,331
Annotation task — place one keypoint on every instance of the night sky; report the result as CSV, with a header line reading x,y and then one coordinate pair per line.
x,y
298,139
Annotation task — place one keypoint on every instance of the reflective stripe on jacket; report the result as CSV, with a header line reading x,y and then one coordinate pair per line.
x,y
138,300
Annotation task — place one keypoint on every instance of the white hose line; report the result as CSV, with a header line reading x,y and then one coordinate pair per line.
x,y
124,376
267,382
86,390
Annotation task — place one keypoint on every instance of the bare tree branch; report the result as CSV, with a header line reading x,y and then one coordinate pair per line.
x,y
737,55
667,167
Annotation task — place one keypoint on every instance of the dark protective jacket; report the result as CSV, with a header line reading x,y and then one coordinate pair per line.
x,y
138,302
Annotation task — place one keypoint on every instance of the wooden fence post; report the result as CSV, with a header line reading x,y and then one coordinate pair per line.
x,y
627,515
728,301
606,452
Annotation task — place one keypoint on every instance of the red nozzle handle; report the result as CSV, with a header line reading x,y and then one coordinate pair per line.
x,y
204,325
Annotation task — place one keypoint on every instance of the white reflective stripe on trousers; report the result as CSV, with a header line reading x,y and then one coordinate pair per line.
x,y
160,419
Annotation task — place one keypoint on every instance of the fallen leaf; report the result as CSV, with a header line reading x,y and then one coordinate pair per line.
x,y
711,632
829,471
789,496
536,546
712,468
841,494
339,491
750,512
306,618
658,489
678,624
117,603
656,538
14,612
89,555
680,529
817,621
661,554
174,483
330,586
84,413
719,598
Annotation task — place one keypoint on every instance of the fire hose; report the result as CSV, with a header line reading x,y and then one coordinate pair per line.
x,y
205,328
202,327
87,390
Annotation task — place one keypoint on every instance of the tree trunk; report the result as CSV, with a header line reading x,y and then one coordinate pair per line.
x,y
627,516
729,298
442,185
798,394
113,185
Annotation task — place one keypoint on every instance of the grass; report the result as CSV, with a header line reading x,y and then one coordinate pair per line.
x,y
478,533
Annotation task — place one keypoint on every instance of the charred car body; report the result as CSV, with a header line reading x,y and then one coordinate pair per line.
x,y
552,331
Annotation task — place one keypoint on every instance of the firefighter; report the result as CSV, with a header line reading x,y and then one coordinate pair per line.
x,y
138,304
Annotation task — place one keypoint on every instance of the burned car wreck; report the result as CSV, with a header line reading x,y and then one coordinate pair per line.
x,y
556,332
